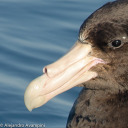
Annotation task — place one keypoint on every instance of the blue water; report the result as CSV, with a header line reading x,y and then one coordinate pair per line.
x,y
34,33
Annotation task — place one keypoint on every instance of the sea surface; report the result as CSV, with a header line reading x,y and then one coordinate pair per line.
x,y
35,33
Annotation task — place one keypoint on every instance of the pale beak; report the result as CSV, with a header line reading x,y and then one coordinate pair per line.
x,y
69,71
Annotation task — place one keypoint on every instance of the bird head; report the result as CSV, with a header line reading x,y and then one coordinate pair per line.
x,y
98,60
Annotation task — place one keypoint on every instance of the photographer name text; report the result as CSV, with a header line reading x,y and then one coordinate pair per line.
x,y
19,125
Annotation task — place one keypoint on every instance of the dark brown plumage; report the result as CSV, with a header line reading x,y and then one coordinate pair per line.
x,y
103,103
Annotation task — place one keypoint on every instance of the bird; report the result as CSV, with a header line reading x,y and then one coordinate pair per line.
x,y
99,63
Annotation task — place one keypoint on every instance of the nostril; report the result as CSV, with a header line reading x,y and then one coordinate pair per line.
x,y
45,70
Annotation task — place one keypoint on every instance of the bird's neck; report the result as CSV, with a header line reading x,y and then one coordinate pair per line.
x,y
102,107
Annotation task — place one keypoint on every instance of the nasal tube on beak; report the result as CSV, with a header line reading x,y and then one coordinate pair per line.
x,y
74,55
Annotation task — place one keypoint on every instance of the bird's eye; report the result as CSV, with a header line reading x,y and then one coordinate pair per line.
x,y
116,43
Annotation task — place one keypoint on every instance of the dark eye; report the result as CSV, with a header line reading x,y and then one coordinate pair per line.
x,y
116,43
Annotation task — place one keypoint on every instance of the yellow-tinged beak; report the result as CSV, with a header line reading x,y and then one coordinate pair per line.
x,y
69,71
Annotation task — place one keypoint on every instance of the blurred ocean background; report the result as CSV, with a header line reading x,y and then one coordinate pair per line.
x,y
35,33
